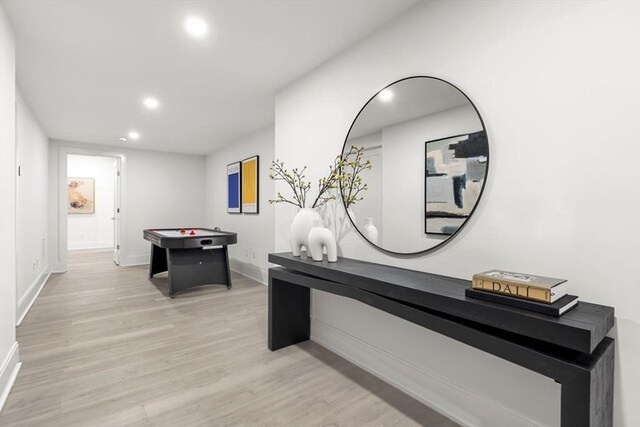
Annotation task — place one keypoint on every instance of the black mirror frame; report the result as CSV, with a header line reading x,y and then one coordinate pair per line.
x,y
450,237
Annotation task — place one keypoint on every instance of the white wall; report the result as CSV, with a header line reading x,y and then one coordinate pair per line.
x,y
159,190
93,231
557,86
8,345
31,207
255,232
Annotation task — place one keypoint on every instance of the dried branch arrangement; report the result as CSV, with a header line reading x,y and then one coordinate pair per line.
x,y
351,184
294,179
328,183
343,173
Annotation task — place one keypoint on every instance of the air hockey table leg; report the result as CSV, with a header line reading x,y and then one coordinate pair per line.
x,y
158,260
226,257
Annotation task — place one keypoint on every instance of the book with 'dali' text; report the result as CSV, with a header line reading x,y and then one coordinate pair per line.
x,y
519,285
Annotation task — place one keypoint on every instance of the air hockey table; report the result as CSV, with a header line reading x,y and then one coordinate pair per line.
x,y
192,256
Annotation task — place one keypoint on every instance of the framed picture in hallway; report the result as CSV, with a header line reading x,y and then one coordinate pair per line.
x,y
81,195
250,169
233,188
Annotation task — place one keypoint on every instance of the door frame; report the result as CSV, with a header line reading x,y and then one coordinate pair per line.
x,y
117,207
62,198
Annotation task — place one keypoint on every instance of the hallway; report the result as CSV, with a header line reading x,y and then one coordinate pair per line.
x,y
104,346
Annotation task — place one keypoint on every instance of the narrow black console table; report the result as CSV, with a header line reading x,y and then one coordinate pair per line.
x,y
573,349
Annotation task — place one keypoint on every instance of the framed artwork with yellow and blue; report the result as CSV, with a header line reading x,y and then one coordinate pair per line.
x,y
250,185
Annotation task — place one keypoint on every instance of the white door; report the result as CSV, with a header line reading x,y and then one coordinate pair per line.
x,y
116,212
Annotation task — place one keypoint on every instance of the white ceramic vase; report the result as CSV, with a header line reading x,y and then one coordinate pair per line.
x,y
300,227
322,238
370,230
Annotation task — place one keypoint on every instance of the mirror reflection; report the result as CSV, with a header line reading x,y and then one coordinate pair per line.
x,y
429,154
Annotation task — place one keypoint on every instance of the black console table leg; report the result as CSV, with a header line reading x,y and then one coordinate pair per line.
x,y
587,398
289,314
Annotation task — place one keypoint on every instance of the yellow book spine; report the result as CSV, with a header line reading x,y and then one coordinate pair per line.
x,y
512,289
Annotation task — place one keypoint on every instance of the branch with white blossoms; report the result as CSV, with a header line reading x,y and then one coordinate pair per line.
x,y
328,183
351,184
344,173
294,179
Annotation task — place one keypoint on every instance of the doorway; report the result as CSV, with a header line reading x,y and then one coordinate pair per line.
x,y
93,204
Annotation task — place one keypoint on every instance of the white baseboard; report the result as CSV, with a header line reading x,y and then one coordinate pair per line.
x,y
133,260
448,398
8,373
32,293
143,259
90,245
244,273
57,267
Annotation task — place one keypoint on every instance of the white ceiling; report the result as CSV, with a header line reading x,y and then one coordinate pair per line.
x,y
84,67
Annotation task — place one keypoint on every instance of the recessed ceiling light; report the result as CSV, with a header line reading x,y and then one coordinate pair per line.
x,y
196,27
385,95
151,103
134,135
122,139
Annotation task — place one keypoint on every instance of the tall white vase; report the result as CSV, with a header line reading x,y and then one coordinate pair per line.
x,y
370,230
319,239
300,227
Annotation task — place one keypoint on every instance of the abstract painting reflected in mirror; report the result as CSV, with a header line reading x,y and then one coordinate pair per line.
x,y
455,171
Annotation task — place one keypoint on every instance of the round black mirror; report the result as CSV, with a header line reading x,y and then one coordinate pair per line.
x,y
429,156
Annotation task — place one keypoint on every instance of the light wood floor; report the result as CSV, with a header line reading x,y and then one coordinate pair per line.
x,y
105,346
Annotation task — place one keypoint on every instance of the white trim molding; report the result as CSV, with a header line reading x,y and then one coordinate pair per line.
x,y
29,297
236,267
56,267
133,260
8,373
241,271
107,244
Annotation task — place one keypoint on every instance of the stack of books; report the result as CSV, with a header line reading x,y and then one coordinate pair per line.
x,y
545,295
